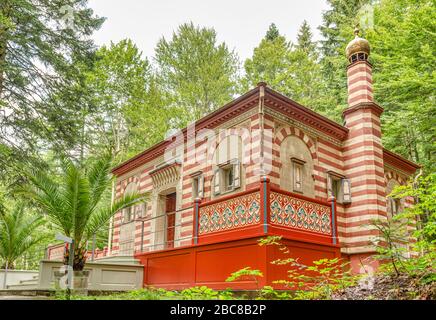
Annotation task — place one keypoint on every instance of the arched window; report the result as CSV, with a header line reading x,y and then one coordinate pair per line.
x,y
297,166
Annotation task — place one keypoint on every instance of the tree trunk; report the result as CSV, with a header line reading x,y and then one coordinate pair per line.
x,y
80,255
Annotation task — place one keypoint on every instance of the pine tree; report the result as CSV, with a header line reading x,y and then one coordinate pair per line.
x,y
304,39
337,31
198,73
272,33
38,40
403,55
269,62
305,80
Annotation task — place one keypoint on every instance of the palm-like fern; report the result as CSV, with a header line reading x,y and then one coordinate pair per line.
x,y
17,234
75,203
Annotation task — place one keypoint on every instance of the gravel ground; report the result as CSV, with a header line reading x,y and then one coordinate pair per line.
x,y
389,287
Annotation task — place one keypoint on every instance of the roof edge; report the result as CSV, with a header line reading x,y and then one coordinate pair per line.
x,y
399,161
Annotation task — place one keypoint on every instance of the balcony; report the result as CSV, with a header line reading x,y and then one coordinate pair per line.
x,y
265,211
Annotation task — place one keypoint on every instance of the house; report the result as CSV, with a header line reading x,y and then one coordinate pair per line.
x,y
261,165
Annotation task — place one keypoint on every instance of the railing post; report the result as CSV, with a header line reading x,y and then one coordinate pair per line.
x,y
197,202
333,209
142,237
93,248
264,202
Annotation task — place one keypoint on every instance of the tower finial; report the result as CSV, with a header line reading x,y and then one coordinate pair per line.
x,y
358,48
356,30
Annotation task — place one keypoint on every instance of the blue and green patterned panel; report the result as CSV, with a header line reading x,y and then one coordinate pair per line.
x,y
230,214
299,214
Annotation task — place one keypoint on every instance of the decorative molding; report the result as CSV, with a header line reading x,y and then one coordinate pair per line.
x,y
304,115
399,163
311,132
230,214
364,105
165,175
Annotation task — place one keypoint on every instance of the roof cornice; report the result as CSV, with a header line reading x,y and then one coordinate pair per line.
x,y
292,109
399,162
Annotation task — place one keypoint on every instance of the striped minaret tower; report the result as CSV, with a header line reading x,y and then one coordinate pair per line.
x,y
363,158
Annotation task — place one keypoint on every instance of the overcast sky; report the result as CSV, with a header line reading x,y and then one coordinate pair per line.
x,y
241,24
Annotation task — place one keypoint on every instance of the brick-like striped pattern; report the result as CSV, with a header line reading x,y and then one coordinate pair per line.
x,y
195,159
326,156
143,179
359,80
363,161
407,202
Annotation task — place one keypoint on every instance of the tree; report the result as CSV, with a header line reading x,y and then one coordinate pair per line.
x,y
337,31
404,79
269,63
131,115
290,69
272,33
305,82
198,74
304,40
74,204
18,234
120,108
38,39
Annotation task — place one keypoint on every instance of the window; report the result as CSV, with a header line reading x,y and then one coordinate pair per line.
x,y
197,186
338,187
128,214
141,210
227,177
394,206
297,174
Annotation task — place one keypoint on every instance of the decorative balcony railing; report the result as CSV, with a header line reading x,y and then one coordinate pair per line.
x,y
265,210
230,214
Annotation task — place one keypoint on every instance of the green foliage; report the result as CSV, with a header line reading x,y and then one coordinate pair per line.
x,y
246,272
198,74
317,281
36,50
127,116
391,241
417,260
403,42
423,212
18,234
74,203
290,69
269,293
269,63
194,293
272,33
205,293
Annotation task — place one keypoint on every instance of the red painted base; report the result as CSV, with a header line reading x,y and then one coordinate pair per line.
x,y
211,264
363,263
